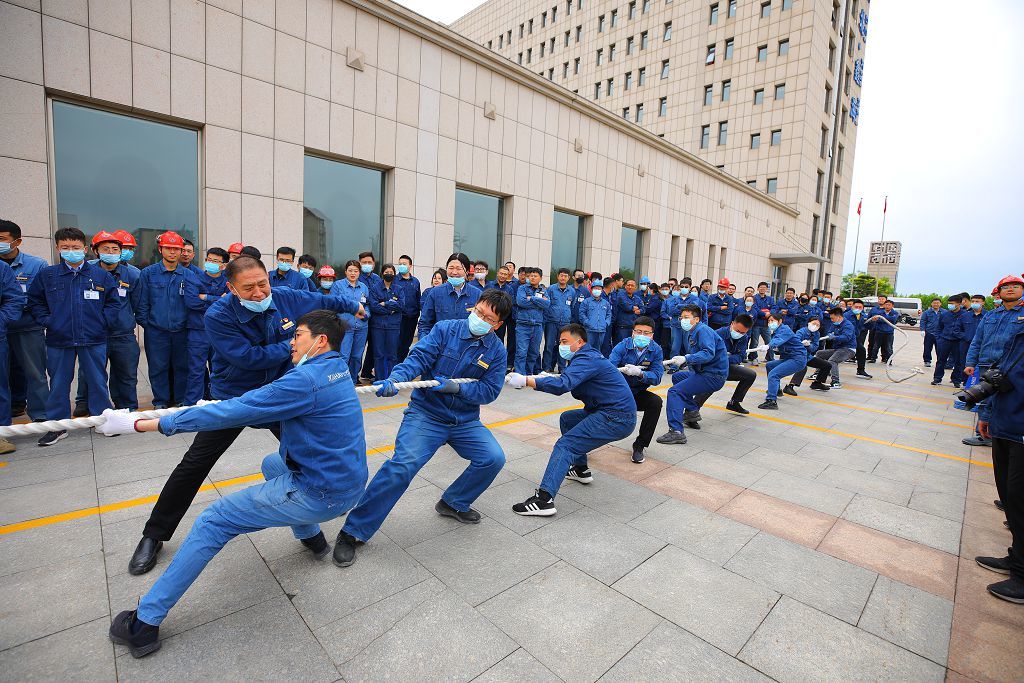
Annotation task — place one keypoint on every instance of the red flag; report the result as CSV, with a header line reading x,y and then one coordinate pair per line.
x,y
859,204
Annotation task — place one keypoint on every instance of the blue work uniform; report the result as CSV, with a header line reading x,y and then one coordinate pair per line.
x,y
433,419
582,294
200,294
444,302
557,316
929,324
995,332
354,343
719,308
387,303
625,315
792,358
532,302
27,344
970,321
479,284
163,314
707,367
77,307
883,333
12,305
651,361
290,278
409,285
595,316
507,332
371,280
673,308
608,412
788,308
950,334
314,477
763,305
805,313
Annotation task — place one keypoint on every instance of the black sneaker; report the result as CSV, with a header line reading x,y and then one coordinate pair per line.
x,y
999,565
769,405
1011,590
735,407
318,545
539,504
672,437
470,516
81,410
789,390
927,363
691,425
141,638
50,438
836,384
956,385
864,375
638,455
818,386
580,474
936,382
872,360
345,549
18,409
691,416
999,504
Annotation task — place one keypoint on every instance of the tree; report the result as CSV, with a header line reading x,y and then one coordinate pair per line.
x,y
864,285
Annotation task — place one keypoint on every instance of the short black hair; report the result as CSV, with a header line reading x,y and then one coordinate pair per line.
x,y
777,316
597,275
564,270
643,320
694,310
937,299
217,251
287,251
576,270
576,330
251,251
707,280
955,298
308,258
485,264
790,289
10,227
686,281
745,320
69,234
242,264
763,283
523,270
538,271
499,301
978,296
388,265
616,276
607,281
190,243
835,310
350,262
406,257
858,301
326,323
367,254
442,272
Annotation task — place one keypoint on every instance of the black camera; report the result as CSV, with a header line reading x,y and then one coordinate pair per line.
x,y
991,382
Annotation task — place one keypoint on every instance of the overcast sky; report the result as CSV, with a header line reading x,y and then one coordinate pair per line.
x,y
939,134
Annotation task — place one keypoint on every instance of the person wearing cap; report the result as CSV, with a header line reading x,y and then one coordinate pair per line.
x,y
26,342
557,316
78,304
326,277
128,245
122,344
285,274
12,304
452,300
201,293
720,306
412,293
235,250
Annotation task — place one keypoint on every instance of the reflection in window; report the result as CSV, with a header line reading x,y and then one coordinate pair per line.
x,y
630,252
117,172
566,242
478,226
342,212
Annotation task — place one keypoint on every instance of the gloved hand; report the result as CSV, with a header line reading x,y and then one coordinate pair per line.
x,y
632,370
118,422
762,349
806,342
516,380
827,337
385,388
679,361
446,386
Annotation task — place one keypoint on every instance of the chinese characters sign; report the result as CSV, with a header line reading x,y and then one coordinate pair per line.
x,y
885,254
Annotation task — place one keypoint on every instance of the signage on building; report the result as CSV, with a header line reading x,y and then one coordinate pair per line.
x,y
858,71
864,25
854,109
884,260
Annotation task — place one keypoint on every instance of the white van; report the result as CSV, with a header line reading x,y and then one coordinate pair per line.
x,y
908,307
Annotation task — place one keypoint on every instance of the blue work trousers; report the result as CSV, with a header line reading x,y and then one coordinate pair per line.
x,y
385,350
27,371
677,340
621,333
5,387
779,368
595,339
405,337
60,364
418,439
552,358
167,356
929,346
123,358
351,350
582,432
200,353
948,351
606,341
277,502
687,384
528,348
759,336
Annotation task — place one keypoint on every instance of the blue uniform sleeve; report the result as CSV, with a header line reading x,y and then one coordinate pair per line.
x,y
13,298
615,357
575,374
421,357
376,300
427,315
653,375
111,301
234,348
142,312
543,301
782,335
705,351
486,389
38,306
974,350
192,292
523,298
607,314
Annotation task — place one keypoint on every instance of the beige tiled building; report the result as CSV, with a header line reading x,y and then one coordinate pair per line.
x,y
334,126
755,87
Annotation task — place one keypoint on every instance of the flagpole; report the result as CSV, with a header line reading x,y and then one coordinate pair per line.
x,y
885,212
855,250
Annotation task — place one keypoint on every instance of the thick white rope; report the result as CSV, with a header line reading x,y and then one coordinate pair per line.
x,y
96,420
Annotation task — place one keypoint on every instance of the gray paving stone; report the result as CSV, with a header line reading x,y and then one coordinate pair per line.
x,y
912,525
441,639
730,447
806,492
131,491
924,479
909,617
139,444
821,581
46,468
530,467
587,626
735,471
80,653
497,501
518,667
414,520
945,505
76,588
619,499
48,545
442,471
771,459
514,448
78,441
600,546
671,654
717,605
324,593
479,561
121,538
672,454
268,641
48,498
695,530
798,643
112,471
868,484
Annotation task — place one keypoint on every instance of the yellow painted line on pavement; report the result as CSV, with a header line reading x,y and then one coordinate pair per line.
x,y
760,369
3,464
882,412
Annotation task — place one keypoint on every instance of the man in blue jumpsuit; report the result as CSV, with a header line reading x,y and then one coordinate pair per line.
x,y
595,315
736,338
410,286
884,333
720,306
250,332
452,300
608,414
532,300
707,363
788,307
285,274
639,359
314,476
793,349
201,293
505,281
448,413
950,333
479,279
929,324
557,316
628,305
12,304
763,305
369,277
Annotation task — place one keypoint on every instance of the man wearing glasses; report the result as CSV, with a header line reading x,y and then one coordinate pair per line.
x,y
445,414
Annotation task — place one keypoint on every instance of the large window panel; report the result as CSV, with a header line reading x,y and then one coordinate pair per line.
x,y
630,252
478,227
343,210
117,172
566,242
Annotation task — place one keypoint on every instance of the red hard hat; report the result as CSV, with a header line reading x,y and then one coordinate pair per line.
x,y
326,271
125,238
104,236
170,239
1011,279
235,248
724,282
995,291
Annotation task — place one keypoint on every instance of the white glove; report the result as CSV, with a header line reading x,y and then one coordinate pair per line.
x,y
762,349
516,380
806,342
633,370
118,422
923,333
827,337
677,360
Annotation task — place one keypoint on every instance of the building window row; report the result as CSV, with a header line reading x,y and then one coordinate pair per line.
x,y
775,139
712,53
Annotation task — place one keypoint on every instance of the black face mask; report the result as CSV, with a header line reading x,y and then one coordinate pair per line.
x,y
579,280
388,277
803,301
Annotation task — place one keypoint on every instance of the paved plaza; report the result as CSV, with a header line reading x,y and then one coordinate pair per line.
x,y
832,540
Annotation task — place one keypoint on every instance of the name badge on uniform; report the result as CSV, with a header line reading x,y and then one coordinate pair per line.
x,y
122,292
469,310
286,324
91,294
481,363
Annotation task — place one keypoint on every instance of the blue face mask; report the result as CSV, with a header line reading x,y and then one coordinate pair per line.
x,y
257,306
597,291
73,256
641,341
643,288
664,292
305,356
676,292
773,326
736,335
284,267
127,254
975,306
826,301
951,307
326,284
687,324
110,259
477,325
211,268
306,272
366,268
564,351
456,281
402,269
597,283
5,247
748,304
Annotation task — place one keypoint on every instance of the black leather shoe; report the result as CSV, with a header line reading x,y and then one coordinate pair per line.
x,y
81,410
317,545
789,390
470,516
141,638
144,557
1011,590
345,549
999,504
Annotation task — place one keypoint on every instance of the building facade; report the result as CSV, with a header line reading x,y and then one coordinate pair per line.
x,y
335,126
766,90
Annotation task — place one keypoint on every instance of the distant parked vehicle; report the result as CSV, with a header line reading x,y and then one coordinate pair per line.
x,y
908,307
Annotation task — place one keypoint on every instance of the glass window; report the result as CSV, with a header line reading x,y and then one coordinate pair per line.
x,y
759,96
780,91
529,27
710,58
788,4
755,140
762,53
625,113
478,226
646,6
568,37
565,70
840,157
766,9
726,90
668,31
835,197
115,171
630,252
828,98
732,8
342,211
664,68
611,52
705,136
776,138
529,55
714,14
629,80
597,91
818,188
663,106
542,46
642,75
783,47
579,33
708,94
611,86
566,242
752,183
629,45
728,48
543,18
643,40
723,132
615,18
600,24
773,185
632,10
640,113
600,56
